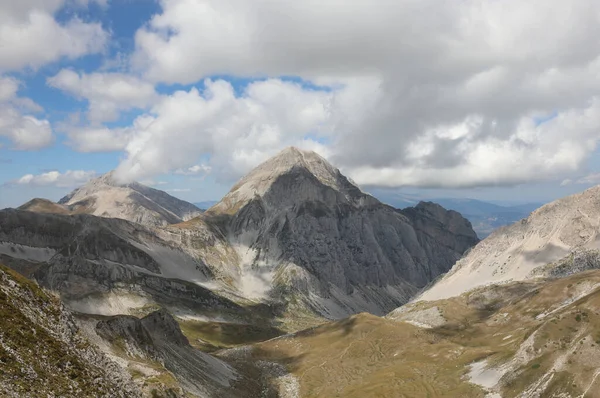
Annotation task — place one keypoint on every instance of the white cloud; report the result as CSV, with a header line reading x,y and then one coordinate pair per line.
x,y
25,131
238,132
69,179
424,93
153,183
107,93
590,179
175,190
30,36
194,170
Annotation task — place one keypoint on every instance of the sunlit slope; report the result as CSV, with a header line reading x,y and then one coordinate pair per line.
x,y
524,339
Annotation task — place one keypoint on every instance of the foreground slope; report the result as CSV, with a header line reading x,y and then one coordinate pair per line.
x,y
42,352
105,196
523,250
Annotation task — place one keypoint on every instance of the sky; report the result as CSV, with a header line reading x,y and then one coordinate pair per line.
x,y
486,99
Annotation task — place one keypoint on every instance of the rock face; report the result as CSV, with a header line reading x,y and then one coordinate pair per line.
x,y
302,229
543,244
105,197
42,352
158,337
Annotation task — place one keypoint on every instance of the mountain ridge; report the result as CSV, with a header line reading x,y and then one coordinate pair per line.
x,y
105,196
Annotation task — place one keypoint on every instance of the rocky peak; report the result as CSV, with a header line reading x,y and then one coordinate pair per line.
x,y
301,174
106,196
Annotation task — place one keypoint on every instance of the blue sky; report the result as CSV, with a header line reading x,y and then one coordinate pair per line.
x,y
190,95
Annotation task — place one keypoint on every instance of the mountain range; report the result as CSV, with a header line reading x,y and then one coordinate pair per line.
x,y
296,284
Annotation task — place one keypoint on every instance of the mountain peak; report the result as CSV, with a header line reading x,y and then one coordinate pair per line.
x,y
290,161
107,196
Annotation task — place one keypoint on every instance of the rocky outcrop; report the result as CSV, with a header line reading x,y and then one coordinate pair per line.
x,y
42,352
554,239
106,197
158,337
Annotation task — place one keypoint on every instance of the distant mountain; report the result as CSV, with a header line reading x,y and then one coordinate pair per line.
x,y
206,204
484,216
105,197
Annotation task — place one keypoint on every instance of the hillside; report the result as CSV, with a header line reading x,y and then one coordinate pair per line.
x,y
550,235
465,346
43,353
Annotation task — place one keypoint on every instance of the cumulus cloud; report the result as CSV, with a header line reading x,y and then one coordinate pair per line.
x,y
30,36
593,178
423,93
237,131
68,179
107,93
590,179
25,131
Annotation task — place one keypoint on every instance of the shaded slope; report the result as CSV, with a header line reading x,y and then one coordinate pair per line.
x,y
157,338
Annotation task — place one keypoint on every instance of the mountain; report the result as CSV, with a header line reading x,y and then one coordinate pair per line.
x,y
206,204
106,197
42,352
540,245
106,266
294,233
484,216
487,217
294,243
303,233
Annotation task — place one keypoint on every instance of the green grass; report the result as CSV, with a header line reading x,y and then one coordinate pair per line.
x,y
212,336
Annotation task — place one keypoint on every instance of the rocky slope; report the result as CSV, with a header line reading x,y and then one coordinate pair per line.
x,y
106,197
157,340
303,232
530,248
43,353
107,266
